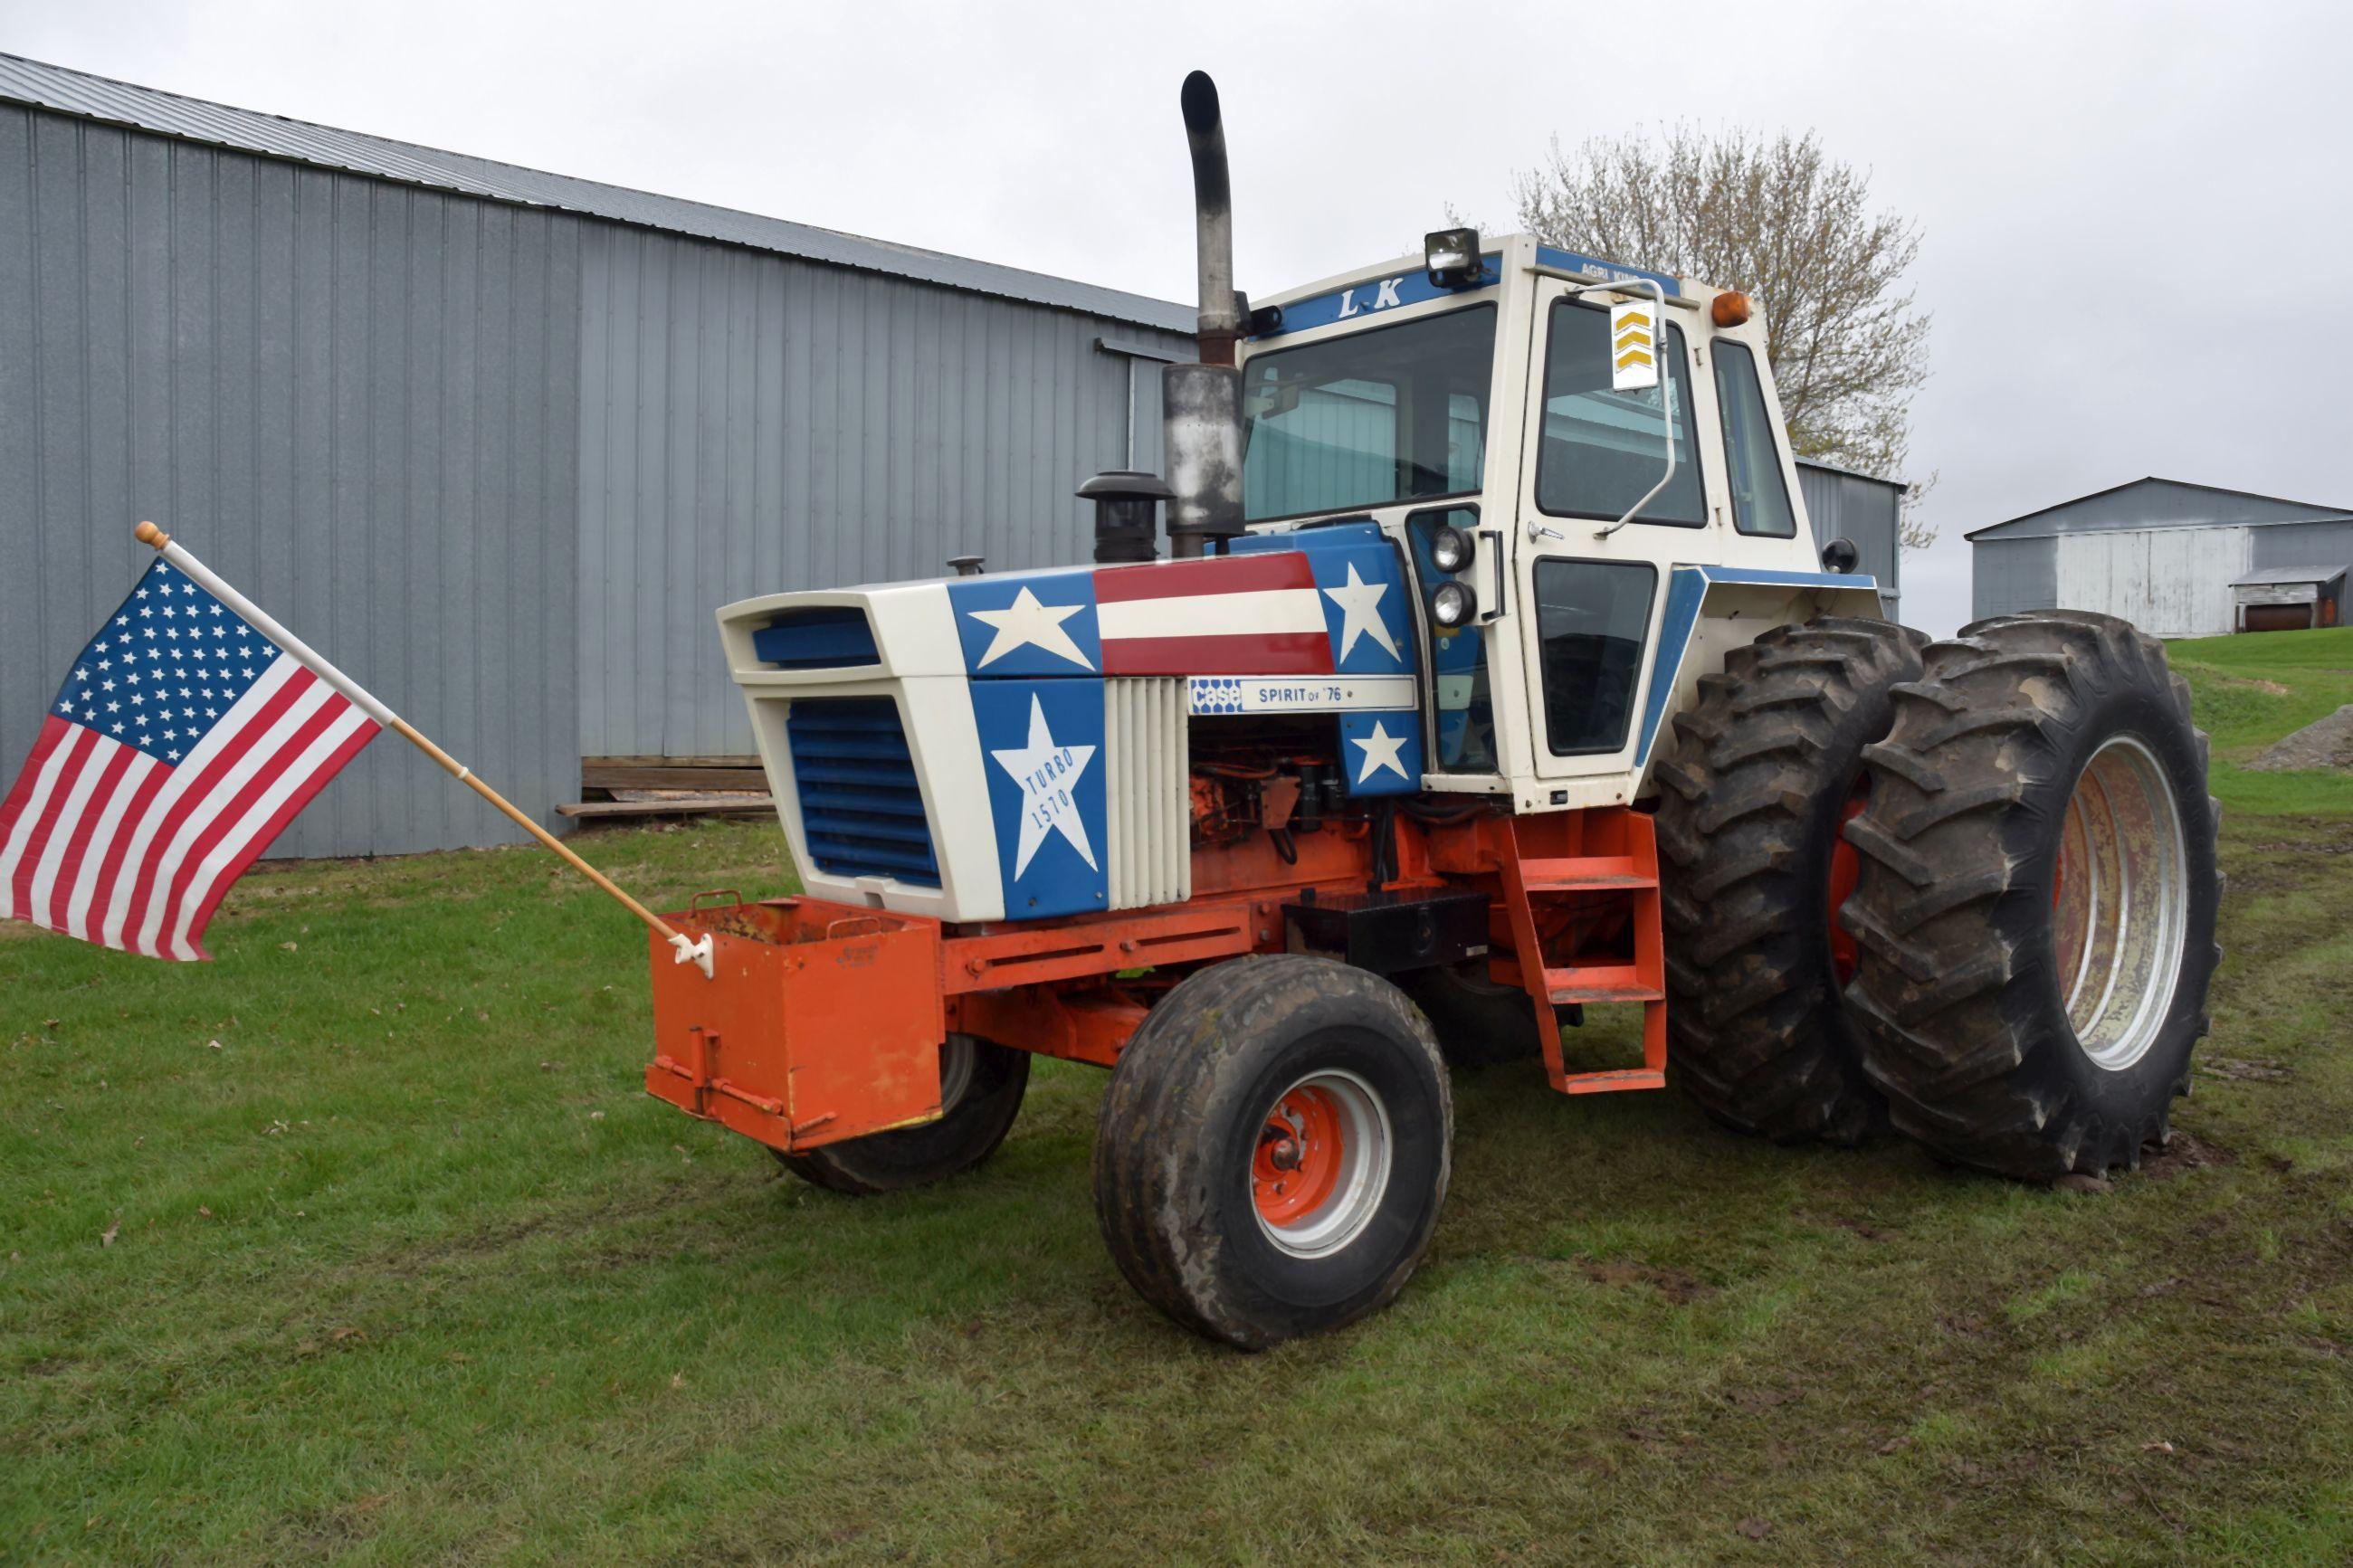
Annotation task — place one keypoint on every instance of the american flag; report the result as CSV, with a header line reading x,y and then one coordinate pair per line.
x,y
181,744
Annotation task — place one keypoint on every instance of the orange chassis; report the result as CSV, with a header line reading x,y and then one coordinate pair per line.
x,y
821,1021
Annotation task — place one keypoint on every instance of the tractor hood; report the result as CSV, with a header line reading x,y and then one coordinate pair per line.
x,y
1014,746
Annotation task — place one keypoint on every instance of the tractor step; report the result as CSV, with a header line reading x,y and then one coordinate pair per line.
x,y
1585,873
1612,1082
1551,898
1566,985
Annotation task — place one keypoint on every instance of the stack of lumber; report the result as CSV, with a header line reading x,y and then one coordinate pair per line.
x,y
669,787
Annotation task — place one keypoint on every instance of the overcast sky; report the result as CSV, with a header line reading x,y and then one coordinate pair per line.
x,y
2137,218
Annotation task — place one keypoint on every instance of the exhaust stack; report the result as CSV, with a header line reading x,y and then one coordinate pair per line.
x,y
1202,404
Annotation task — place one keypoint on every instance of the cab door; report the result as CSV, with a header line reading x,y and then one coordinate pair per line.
x,y
1591,596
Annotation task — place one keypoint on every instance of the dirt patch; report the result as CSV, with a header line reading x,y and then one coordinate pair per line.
x,y
2183,1153
2324,743
1676,1286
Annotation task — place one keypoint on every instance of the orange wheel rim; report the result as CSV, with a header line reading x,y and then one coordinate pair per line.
x,y
1846,870
1321,1162
1301,1151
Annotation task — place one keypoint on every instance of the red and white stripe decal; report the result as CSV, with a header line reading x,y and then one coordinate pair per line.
x,y
1221,614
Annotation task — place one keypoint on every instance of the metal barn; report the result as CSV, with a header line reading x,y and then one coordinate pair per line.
x,y
1845,504
2162,553
499,441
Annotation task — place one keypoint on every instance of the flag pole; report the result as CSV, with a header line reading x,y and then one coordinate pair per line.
x,y
687,951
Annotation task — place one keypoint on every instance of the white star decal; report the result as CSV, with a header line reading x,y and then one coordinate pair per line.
x,y
1046,774
1026,623
1381,748
1360,613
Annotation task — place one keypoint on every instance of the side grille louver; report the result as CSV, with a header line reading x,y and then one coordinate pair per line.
x,y
1149,797
861,808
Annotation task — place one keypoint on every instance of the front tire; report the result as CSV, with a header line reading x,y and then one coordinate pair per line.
x,y
981,1086
2039,897
1274,1148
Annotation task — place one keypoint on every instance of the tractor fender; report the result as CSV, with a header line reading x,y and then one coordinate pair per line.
x,y
1711,610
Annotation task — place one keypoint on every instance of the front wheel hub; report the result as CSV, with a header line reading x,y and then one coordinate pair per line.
x,y
1321,1164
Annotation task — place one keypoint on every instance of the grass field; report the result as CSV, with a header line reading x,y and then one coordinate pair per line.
x,y
364,1243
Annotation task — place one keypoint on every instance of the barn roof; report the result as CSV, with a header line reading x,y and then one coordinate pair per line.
x,y
2324,576
39,84
2153,503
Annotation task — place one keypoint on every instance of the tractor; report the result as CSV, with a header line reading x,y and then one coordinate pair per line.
x,y
1493,673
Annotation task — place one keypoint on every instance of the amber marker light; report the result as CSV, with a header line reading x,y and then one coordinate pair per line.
x,y
1730,308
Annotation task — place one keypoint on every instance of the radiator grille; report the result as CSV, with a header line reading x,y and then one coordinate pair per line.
x,y
1150,803
861,809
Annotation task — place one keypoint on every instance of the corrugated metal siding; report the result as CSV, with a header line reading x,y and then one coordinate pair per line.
x,y
2008,576
354,399
2304,545
1842,505
751,423
170,114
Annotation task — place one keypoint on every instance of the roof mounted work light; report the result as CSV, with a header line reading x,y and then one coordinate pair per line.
x,y
1452,256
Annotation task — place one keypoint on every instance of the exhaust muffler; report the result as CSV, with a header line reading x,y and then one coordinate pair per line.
x,y
1201,403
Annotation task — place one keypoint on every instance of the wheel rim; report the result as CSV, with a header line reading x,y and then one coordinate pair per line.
x,y
955,1070
1846,870
1321,1164
2120,903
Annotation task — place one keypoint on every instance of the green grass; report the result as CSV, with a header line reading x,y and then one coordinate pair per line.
x,y
2253,690
405,1266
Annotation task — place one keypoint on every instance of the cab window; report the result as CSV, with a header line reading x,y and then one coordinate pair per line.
x,y
1601,449
1760,496
1397,413
1590,617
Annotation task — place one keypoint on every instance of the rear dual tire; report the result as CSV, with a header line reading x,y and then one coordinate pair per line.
x,y
2039,897
1753,798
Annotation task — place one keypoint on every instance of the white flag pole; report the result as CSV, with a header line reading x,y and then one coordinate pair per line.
x,y
687,951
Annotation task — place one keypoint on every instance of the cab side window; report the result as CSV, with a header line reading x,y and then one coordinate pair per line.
x,y
1760,496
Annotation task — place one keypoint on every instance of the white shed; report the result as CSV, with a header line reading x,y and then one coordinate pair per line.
x,y
2289,598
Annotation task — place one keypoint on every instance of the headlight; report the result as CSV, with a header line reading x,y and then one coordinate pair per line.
x,y
1450,549
1453,605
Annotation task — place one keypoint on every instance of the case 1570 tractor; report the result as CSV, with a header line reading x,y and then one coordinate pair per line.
x,y
1494,673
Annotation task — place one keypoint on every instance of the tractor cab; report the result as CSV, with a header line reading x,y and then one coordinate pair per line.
x,y
1571,456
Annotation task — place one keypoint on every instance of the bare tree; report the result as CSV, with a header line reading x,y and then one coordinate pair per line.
x,y
1796,229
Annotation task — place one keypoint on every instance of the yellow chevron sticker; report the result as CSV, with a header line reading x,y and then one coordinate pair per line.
x,y
1633,335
